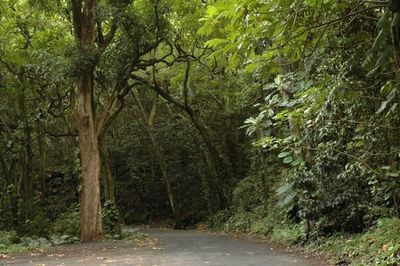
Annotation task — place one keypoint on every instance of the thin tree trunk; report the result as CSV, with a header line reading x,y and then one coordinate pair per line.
x,y
109,183
42,157
207,184
27,179
159,155
215,162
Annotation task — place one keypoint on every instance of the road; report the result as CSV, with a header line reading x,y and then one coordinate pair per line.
x,y
166,248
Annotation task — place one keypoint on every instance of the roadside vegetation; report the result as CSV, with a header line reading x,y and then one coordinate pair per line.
x,y
277,118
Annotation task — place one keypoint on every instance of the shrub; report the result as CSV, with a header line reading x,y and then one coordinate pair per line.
x,y
263,226
380,245
67,223
289,234
110,216
218,220
133,234
240,222
244,196
38,226
35,242
8,237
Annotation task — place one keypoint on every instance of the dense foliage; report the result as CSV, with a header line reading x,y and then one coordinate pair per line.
x,y
274,117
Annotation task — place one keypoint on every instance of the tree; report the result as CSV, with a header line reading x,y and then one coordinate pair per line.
x,y
85,34
148,124
93,44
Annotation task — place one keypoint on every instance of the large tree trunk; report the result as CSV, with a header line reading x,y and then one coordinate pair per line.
x,y
90,209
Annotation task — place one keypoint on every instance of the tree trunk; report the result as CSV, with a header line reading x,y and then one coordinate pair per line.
x,y
163,168
84,24
109,183
27,179
90,209
43,156
207,184
218,170
215,162
160,158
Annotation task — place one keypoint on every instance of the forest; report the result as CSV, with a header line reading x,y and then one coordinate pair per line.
x,y
278,118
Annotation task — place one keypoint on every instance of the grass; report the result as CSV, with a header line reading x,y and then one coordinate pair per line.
x,y
13,248
8,243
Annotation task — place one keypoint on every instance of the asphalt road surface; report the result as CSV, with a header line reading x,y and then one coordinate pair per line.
x,y
166,248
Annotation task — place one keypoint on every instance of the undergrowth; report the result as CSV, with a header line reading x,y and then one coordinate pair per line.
x,y
379,245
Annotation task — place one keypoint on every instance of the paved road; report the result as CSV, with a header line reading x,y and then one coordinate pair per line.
x,y
170,248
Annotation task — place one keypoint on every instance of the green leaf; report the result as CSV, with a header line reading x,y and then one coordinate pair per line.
x,y
382,108
283,154
288,160
283,189
384,104
214,43
287,199
234,61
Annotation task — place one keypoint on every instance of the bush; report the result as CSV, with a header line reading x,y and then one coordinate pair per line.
x,y
35,242
245,197
240,222
110,216
8,237
380,245
263,226
289,234
133,234
67,223
218,220
38,226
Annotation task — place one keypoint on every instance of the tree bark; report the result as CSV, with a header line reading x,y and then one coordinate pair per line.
x,y
90,209
84,24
